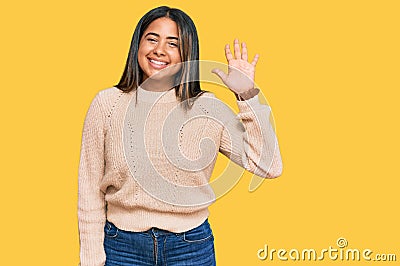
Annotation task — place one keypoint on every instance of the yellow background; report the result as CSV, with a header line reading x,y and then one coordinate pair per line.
x,y
330,70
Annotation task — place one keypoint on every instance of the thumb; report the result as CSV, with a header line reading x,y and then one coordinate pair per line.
x,y
221,74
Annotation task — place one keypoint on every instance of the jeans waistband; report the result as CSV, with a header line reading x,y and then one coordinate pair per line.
x,y
157,231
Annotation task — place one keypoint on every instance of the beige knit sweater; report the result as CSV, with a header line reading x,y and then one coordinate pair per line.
x,y
145,162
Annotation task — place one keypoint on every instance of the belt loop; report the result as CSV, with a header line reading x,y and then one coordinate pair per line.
x,y
154,232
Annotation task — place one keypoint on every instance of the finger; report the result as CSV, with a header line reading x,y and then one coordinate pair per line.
x,y
221,74
255,60
244,51
237,49
228,53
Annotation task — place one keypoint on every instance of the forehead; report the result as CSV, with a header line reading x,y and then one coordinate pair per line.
x,y
164,27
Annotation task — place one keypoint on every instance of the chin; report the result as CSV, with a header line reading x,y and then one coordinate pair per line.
x,y
167,73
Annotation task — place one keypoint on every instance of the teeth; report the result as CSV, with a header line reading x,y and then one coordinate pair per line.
x,y
157,62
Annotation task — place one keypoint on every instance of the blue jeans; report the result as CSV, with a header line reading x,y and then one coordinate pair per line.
x,y
159,247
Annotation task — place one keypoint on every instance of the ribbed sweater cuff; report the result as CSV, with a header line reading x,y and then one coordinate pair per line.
x,y
252,104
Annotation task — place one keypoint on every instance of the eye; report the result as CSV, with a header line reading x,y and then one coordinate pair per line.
x,y
152,40
173,44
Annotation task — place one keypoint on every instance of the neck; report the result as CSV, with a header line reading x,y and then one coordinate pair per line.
x,y
157,85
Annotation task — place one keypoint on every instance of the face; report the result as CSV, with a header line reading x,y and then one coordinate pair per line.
x,y
159,49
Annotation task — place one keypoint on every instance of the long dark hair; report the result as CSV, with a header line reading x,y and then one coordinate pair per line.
x,y
188,77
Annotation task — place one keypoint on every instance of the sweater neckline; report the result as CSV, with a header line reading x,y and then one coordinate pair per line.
x,y
153,96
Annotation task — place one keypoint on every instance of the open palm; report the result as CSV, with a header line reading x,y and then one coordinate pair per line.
x,y
240,77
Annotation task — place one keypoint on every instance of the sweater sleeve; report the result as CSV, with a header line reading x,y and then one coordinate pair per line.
x,y
91,202
250,141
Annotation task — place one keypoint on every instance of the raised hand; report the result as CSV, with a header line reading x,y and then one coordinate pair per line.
x,y
240,77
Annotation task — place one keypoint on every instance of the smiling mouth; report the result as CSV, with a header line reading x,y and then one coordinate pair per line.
x,y
157,63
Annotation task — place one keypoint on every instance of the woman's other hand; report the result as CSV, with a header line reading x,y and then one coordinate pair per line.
x,y
240,77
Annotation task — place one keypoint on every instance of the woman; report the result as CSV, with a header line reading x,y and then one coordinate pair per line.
x,y
144,167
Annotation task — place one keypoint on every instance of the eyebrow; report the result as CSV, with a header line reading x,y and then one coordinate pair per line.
x,y
158,35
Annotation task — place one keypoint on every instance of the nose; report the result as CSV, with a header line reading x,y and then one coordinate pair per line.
x,y
159,49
